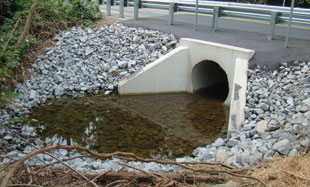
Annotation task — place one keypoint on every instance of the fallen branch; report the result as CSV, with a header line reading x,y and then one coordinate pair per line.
x,y
116,182
27,24
34,153
296,176
104,156
14,133
30,175
135,158
23,185
143,171
246,176
166,178
146,177
11,35
64,160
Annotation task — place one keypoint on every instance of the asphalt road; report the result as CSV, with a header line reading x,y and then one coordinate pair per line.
x,y
246,34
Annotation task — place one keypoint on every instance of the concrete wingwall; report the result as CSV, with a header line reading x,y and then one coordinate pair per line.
x,y
173,73
167,74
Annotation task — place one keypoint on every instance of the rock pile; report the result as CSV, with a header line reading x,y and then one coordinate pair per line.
x,y
82,61
277,118
89,61
92,60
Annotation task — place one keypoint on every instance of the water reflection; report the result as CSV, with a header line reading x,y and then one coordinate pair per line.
x,y
169,125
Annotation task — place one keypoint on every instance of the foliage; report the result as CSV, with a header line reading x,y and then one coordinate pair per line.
x,y
6,98
9,7
303,3
298,3
50,17
253,1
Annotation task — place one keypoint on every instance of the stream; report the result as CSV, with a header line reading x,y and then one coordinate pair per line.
x,y
151,126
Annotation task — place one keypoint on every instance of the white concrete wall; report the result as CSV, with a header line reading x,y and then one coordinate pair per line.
x,y
224,55
173,73
167,74
238,100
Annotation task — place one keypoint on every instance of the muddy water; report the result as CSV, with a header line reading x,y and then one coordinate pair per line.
x,y
151,126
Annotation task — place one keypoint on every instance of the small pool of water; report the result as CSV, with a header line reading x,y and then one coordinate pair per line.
x,y
151,126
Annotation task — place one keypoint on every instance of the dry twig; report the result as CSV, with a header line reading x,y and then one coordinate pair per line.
x,y
280,123
27,24
11,35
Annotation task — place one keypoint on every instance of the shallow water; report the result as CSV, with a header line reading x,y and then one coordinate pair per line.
x,y
151,126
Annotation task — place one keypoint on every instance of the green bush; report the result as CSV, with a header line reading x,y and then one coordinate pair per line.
x,y
82,12
298,3
9,7
50,17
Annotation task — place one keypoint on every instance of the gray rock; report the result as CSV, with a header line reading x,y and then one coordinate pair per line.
x,y
39,142
269,155
293,152
232,142
88,51
258,156
219,142
304,108
305,142
306,101
282,146
221,155
58,78
228,184
264,106
261,126
152,167
96,165
290,101
58,91
83,39
259,111
32,94
122,64
106,67
8,137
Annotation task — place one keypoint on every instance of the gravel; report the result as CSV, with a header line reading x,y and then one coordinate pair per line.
x,y
274,97
85,61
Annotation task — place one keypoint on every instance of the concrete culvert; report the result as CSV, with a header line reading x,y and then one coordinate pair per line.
x,y
210,80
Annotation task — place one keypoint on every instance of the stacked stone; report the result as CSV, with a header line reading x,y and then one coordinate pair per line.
x,y
277,118
88,60
83,61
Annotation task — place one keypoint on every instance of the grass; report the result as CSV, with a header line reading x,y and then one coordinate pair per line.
x,y
282,171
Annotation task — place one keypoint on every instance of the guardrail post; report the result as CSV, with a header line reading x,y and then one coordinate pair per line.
x,y
288,30
121,9
272,25
171,13
175,7
216,15
108,7
136,9
196,15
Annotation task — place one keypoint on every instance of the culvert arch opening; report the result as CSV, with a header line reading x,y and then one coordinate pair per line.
x,y
210,80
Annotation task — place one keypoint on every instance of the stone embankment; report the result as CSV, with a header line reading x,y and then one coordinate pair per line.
x,y
277,118
85,61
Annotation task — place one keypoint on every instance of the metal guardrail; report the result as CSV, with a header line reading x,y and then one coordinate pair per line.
x,y
272,14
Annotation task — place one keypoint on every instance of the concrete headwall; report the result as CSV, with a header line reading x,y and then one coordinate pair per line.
x,y
173,73
167,74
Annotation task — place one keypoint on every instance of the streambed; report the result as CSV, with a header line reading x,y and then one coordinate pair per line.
x,y
151,126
